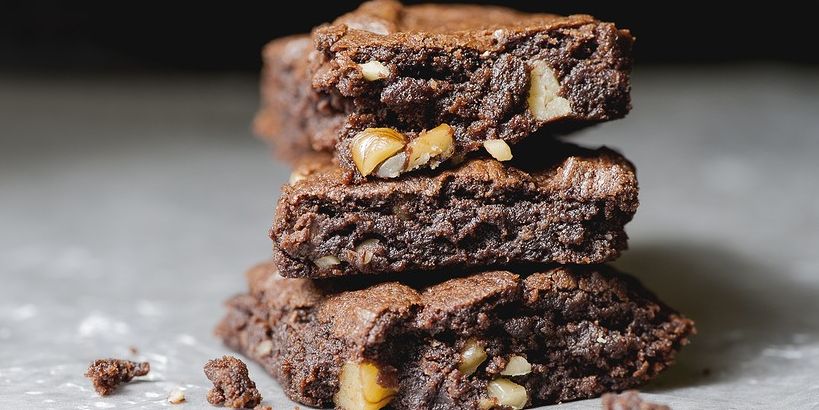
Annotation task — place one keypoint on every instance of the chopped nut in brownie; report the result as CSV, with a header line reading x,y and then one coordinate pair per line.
x,y
107,374
629,400
232,386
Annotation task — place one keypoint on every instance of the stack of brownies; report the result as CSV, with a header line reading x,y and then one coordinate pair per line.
x,y
437,247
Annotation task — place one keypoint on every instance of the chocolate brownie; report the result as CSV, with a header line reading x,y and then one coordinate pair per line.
x,y
563,204
107,374
483,72
232,386
479,340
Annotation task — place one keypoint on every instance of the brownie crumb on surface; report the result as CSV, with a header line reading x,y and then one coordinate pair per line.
x,y
107,374
232,386
629,400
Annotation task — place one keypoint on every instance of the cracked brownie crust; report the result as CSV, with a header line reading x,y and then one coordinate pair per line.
x,y
568,333
567,207
488,72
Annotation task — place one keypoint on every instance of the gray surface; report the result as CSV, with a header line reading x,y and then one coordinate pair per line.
x,y
129,208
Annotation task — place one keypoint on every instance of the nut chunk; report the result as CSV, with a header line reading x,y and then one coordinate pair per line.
x,y
629,400
232,386
107,374
359,388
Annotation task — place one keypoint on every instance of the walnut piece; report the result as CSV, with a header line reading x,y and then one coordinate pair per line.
x,y
508,393
365,250
472,355
359,388
435,145
107,374
325,262
232,386
517,366
374,70
373,146
499,149
176,396
544,102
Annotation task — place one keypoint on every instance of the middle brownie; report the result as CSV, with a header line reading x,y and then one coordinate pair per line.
x,y
568,206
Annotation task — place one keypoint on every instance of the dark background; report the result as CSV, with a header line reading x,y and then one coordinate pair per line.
x,y
213,36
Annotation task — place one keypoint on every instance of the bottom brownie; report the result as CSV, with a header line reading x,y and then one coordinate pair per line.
x,y
486,340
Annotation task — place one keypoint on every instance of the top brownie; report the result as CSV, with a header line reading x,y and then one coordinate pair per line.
x,y
422,84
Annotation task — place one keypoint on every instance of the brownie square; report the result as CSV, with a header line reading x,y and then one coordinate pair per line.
x,y
483,73
480,340
561,204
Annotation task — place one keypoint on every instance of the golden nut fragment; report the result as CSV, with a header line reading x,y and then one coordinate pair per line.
x,y
498,149
374,70
365,250
544,102
436,144
327,261
517,366
176,396
472,355
508,393
264,348
359,389
373,146
296,176
392,167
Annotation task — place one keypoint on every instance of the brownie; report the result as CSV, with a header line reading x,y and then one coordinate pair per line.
x,y
562,204
479,340
485,72
107,374
232,386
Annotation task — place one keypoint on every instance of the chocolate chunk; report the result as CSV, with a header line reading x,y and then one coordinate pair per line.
x,y
107,374
569,206
629,400
567,333
232,386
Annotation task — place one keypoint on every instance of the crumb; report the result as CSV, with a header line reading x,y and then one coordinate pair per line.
x,y
232,386
133,350
176,396
263,407
107,374
629,400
